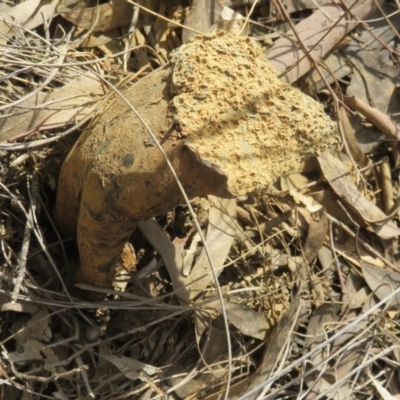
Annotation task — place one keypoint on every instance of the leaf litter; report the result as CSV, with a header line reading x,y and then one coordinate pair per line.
x,y
308,266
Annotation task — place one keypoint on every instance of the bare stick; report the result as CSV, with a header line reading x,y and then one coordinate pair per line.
x,y
21,267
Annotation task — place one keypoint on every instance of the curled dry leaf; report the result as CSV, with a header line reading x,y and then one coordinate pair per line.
x,y
336,173
350,138
383,122
316,235
387,194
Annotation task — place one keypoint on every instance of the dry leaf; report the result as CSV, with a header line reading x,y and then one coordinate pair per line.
x,y
328,200
375,74
132,368
311,205
337,67
350,138
294,181
36,328
203,14
383,122
219,238
296,5
220,235
316,235
336,173
347,361
28,14
317,327
101,39
102,18
30,350
350,333
323,388
274,345
356,293
249,322
214,350
286,51
233,22
43,111
381,281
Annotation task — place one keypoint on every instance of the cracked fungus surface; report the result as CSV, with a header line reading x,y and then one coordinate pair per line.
x,y
234,111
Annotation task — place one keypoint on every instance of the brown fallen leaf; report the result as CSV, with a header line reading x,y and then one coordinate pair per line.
x,y
350,138
219,238
387,192
28,14
323,389
317,329
233,22
202,15
383,122
365,58
328,199
310,204
249,322
213,350
374,73
337,67
76,100
356,292
131,368
102,18
274,346
381,281
294,181
296,5
30,336
286,52
316,235
351,332
30,351
336,173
